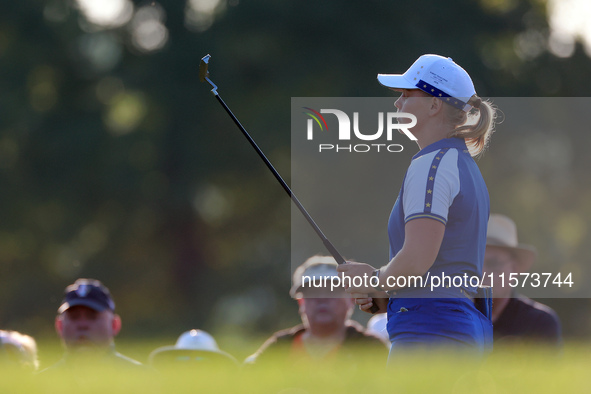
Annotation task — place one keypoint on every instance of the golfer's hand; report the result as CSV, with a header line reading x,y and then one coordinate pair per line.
x,y
366,301
359,275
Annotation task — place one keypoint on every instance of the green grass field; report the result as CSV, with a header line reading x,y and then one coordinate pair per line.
x,y
513,369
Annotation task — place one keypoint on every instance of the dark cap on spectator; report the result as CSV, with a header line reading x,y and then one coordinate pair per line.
x,y
87,292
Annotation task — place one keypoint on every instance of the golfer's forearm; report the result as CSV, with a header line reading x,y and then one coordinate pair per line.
x,y
404,264
422,241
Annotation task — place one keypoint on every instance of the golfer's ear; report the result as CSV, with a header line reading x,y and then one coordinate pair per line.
x,y
436,105
116,324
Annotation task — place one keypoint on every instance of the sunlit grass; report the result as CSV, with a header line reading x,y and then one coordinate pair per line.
x,y
513,369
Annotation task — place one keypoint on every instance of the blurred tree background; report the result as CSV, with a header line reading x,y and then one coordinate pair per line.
x,y
117,163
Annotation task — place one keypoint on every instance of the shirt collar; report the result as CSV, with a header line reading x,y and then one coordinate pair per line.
x,y
457,143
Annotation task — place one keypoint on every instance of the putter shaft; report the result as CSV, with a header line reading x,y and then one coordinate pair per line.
x,y
331,248
204,77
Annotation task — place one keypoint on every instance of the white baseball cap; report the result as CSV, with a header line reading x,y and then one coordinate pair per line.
x,y
317,269
438,76
377,325
197,340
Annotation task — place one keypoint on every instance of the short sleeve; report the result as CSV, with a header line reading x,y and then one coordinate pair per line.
x,y
431,185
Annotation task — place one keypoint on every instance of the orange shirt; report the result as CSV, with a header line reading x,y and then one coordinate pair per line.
x,y
298,348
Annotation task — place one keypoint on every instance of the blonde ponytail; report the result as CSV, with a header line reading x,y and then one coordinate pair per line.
x,y
476,133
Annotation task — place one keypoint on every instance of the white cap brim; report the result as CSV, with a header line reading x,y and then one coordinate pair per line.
x,y
396,81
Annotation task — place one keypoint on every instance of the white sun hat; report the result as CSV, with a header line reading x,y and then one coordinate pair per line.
x,y
192,346
438,76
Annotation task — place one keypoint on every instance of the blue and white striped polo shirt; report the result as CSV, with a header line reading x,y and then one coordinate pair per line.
x,y
444,183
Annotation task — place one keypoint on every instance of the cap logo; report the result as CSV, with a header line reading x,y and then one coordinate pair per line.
x,y
83,290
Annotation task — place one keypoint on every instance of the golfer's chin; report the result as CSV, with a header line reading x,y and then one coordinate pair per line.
x,y
403,122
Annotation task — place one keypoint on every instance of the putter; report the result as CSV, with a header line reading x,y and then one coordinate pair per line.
x,y
204,77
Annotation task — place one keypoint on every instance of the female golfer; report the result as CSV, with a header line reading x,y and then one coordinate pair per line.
x,y
437,228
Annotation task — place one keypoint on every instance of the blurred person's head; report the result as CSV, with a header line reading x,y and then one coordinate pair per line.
x,y
86,319
504,254
376,325
324,308
18,349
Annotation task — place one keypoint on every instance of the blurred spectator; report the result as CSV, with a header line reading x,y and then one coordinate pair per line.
x,y
18,349
326,331
87,324
377,326
195,348
515,316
